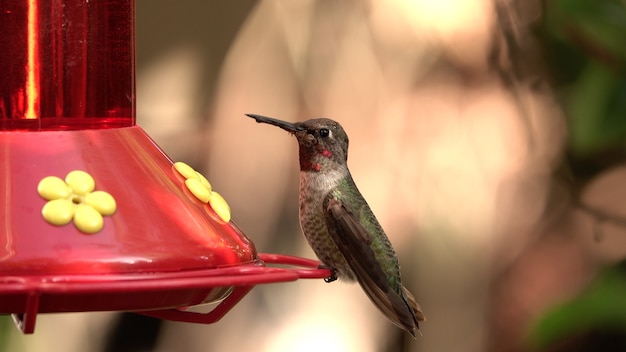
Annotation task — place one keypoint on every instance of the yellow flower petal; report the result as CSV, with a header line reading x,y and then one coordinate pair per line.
x,y
58,212
80,182
219,205
87,219
52,187
198,189
185,170
204,181
102,201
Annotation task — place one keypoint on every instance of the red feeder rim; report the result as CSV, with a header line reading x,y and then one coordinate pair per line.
x,y
29,296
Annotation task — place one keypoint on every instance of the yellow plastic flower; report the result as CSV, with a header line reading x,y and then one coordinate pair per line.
x,y
75,198
200,187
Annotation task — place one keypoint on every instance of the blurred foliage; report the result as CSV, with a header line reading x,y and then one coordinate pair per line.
x,y
6,326
589,321
585,43
586,46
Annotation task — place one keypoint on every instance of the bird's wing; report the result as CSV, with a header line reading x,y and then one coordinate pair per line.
x,y
353,241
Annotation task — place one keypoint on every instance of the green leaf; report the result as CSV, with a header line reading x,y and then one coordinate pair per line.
x,y
601,306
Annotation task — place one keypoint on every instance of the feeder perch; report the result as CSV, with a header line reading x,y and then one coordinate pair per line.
x,y
95,217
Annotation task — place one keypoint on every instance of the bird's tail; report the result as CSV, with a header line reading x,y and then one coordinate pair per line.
x,y
400,308
414,307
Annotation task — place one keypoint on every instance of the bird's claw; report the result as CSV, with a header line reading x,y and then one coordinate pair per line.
x,y
333,275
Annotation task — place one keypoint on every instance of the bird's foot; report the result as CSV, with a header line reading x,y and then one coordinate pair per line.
x,y
331,278
333,275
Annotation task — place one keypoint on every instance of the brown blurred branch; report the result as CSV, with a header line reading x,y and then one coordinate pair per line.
x,y
593,49
600,216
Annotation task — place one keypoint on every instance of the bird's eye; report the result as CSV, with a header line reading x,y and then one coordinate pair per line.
x,y
324,132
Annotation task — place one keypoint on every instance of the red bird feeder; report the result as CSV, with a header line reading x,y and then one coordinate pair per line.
x,y
95,216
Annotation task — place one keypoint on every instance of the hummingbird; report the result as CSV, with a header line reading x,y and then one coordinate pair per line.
x,y
339,225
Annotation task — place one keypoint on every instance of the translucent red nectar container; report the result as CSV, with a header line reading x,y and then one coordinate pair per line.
x,y
95,217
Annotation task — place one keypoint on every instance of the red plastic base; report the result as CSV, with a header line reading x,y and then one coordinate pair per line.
x,y
158,225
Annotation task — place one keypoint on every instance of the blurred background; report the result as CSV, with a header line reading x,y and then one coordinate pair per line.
x,y
486,135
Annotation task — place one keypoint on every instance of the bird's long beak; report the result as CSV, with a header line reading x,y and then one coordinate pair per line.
x,y
287,126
